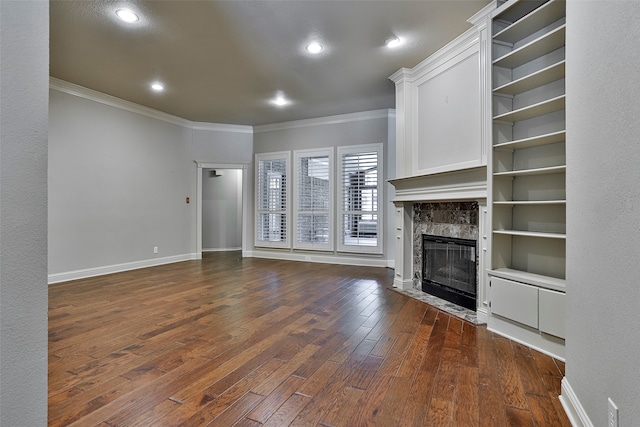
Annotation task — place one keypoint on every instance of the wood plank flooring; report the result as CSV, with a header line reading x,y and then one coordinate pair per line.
x,y
227,341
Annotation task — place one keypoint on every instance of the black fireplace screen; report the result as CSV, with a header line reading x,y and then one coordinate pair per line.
x,y
449,269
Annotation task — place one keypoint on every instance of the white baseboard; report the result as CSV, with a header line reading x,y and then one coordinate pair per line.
x,y
220,249
319,258
402,284
522,334
482,315
575,412
116,268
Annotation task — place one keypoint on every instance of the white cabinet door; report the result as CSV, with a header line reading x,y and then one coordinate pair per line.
x,y
515,301
552,312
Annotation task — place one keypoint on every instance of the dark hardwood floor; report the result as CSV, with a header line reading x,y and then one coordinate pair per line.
x,y
251,342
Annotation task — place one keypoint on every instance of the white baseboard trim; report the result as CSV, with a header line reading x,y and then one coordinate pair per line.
x,y
220,249
324,259
547,344
482,315
116,268
575,412
402,284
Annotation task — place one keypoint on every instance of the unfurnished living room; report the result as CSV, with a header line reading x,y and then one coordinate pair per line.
x,y
328,213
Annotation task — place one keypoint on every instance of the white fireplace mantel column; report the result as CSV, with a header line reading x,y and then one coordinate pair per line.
x,y
403,229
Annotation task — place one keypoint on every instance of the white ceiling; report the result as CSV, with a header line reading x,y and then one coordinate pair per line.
x,y
222,61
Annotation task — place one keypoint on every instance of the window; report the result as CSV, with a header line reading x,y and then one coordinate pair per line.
x,y
272,172
360,174
313,199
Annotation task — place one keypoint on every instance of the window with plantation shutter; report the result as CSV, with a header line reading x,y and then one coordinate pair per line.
x,y
272,189
313,200
360,213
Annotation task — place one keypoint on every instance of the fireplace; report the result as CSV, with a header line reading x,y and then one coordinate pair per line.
x,y
450,205
449,269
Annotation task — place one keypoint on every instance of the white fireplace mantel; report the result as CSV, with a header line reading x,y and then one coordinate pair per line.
x,y
443,136
458,185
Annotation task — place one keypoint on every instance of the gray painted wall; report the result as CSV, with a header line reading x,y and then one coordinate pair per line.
x,y
603,207
222,209
24,49
117,185
320,136
118,181
211,146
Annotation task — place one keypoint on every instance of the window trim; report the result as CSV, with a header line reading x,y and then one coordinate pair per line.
x,y
281,155
298,155
340,212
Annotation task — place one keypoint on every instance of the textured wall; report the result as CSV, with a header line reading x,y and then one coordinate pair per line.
x,y
603,206
24,53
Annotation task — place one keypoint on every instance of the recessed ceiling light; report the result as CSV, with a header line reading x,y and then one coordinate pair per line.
x,y
157,86
393,42
314,47
127,16
280,101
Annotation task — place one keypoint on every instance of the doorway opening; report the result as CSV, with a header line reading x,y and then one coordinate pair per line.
x,y
220,210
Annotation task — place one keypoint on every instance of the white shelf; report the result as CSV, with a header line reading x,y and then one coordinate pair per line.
x,y
532,22
529,202
541,281
531,111
546,75
544,44
534,141
539,234
512,10
524,263
537,171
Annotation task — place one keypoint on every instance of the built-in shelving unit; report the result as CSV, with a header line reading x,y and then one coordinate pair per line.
x,y
528,168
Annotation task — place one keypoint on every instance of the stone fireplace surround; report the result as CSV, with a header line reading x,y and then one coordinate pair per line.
x,y
449,219
446,219
449,204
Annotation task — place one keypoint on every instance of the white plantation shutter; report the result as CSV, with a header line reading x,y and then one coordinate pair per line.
x,y
313,199
360,174
272,174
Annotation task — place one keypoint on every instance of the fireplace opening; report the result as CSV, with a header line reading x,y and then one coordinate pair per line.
x,y
449,269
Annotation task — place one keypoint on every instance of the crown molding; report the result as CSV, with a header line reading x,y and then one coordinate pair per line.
x,y
221,127
459,45
102,98
328,120
400,75
92,95
483,13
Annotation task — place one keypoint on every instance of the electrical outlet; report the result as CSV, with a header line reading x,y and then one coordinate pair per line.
x,y
155,249
612,418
